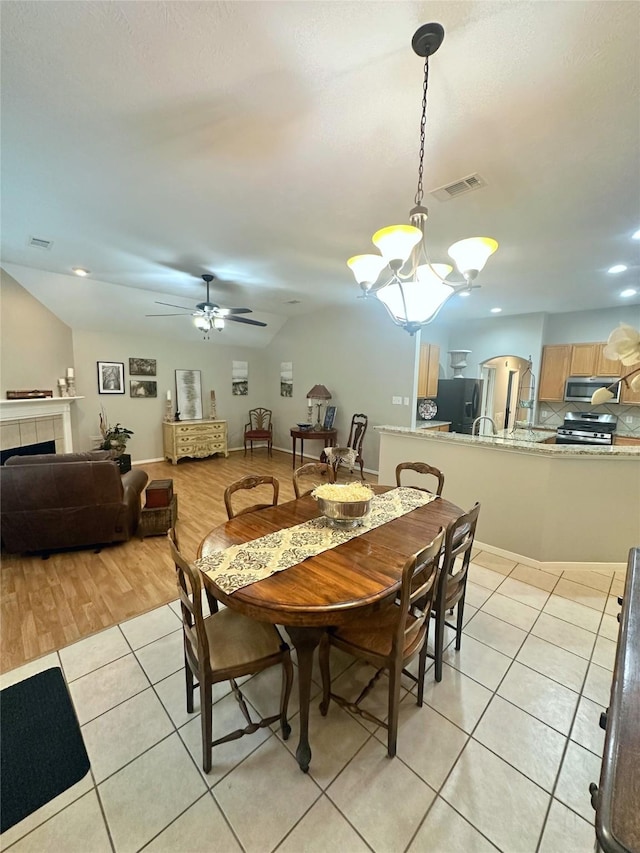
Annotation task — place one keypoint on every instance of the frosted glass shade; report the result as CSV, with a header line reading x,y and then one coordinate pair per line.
x,y
472,253
416,303
218,323
202,323
396,241
366,268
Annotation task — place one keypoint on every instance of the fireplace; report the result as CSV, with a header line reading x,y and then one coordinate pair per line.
x,y
32,422
28,450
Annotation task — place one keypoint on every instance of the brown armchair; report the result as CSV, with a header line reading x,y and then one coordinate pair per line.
x,y
259,428
66,500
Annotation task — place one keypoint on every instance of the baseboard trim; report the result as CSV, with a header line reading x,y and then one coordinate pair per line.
x,y
552,566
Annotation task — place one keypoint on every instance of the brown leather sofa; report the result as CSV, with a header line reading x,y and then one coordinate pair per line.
x,y
67,500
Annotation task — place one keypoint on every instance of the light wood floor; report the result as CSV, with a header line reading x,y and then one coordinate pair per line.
x,y
48,604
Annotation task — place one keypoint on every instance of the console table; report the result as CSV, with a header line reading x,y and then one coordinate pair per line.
x,y
198,438
329,436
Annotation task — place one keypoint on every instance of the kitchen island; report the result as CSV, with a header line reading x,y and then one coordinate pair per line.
x,y
549,503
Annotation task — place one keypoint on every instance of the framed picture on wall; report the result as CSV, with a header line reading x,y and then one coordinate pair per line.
x,y
142,366
110,377
143,388
189,394
329,417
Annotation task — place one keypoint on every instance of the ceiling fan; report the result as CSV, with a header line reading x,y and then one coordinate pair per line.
x,y
208,315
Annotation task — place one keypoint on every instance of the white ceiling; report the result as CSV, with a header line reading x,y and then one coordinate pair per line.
x,y
266,141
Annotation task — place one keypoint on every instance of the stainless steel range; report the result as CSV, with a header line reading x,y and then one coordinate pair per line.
x,y
587,428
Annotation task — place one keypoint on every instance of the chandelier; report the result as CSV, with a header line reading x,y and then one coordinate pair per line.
x,y
402,277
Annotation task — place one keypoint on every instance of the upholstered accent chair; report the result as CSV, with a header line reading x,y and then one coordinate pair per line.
x,y
259,428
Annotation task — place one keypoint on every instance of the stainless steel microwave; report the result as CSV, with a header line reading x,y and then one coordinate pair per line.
x,y
579,389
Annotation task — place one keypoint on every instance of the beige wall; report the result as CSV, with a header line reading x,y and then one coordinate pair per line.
x,y
144,415
359,355
36,347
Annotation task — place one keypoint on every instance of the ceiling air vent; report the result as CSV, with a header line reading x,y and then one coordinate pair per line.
x,y
39,243
464,185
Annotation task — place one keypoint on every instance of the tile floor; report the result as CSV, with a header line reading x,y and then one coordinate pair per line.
x,y
499,758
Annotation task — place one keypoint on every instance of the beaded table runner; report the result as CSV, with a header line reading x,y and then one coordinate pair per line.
x,y
241,565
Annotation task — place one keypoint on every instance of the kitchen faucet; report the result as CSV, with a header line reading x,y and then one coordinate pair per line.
x,y
484,418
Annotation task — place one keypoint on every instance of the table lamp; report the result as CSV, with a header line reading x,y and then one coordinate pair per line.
x,y
318,395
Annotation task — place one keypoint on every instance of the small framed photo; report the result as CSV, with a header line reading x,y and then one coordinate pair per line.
x,y
329,417
110,377
143,388
142,367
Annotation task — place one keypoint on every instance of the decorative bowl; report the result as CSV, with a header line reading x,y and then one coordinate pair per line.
x,y
344,513
304,426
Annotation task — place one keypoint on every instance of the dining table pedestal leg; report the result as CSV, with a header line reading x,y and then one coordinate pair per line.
x,y
305,641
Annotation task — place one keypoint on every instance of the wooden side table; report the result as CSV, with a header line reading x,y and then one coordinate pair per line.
x,y
329,436
156,521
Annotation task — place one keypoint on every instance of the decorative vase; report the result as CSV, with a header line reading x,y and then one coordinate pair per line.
x,y
458,359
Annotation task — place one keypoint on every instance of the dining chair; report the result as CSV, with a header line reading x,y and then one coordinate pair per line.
x,y
421,468
223,647
317,470
452,583
389,639
259,428
357,433
250,482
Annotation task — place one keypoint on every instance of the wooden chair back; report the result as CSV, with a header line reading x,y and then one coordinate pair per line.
x,y
259,419
357,432
421,468
419,577
196,643
458,543
317,470
250,482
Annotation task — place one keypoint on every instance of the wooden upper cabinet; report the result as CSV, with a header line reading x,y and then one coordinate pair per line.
x,y
554,370
605,366
583,359
627,396
428,369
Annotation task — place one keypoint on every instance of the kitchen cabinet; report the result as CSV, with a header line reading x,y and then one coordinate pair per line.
x,y
627,396
605,366
583,359
437,428
626,441
428,369
554,370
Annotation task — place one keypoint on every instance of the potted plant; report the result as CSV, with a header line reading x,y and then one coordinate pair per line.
x,y
115,438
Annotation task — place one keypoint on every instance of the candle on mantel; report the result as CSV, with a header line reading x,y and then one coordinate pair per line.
x,y
70,373
62,381
169,396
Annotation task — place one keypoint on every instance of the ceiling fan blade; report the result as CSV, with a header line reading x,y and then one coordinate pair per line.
x,y
245,320
236,310
173,306
167,315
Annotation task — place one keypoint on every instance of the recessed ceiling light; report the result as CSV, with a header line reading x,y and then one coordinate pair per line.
x,y
80,271
496,310
630,291
616,268
636,235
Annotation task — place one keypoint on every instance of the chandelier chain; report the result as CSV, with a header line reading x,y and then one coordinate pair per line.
x,y
423,123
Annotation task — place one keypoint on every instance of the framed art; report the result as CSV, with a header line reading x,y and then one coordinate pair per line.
x,y
142,367
329,417
286,379
240,378
189,394
110,377
143,388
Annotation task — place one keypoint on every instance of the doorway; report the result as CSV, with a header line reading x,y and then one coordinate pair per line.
x,y
502,376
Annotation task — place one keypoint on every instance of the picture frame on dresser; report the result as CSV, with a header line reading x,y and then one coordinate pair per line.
x,y
110,377
329,417
189,394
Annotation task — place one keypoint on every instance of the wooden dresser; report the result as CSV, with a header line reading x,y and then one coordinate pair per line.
x,y
198,439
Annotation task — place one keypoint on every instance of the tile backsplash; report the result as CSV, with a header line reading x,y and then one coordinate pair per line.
x,y
553,414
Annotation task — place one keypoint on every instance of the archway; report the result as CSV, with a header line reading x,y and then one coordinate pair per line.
x,y
502,375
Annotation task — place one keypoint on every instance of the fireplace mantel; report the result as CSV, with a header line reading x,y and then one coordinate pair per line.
x,y
41,407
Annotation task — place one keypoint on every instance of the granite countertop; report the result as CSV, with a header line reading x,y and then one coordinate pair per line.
x,y
520,440
430,424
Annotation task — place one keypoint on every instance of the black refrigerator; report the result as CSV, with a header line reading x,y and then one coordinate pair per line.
x,y
459,401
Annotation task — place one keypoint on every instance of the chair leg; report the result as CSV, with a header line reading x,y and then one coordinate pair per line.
x,y
459,623
439,643
287,682
206,713
245,447
395,674
422,667
325,672
188,674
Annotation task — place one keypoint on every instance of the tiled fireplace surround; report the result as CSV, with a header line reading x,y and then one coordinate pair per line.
x,y
25,422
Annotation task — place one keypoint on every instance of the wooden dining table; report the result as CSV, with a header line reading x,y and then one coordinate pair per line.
x,y
329,589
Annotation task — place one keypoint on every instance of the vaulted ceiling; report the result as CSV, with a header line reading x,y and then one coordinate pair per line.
x,y
266,141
